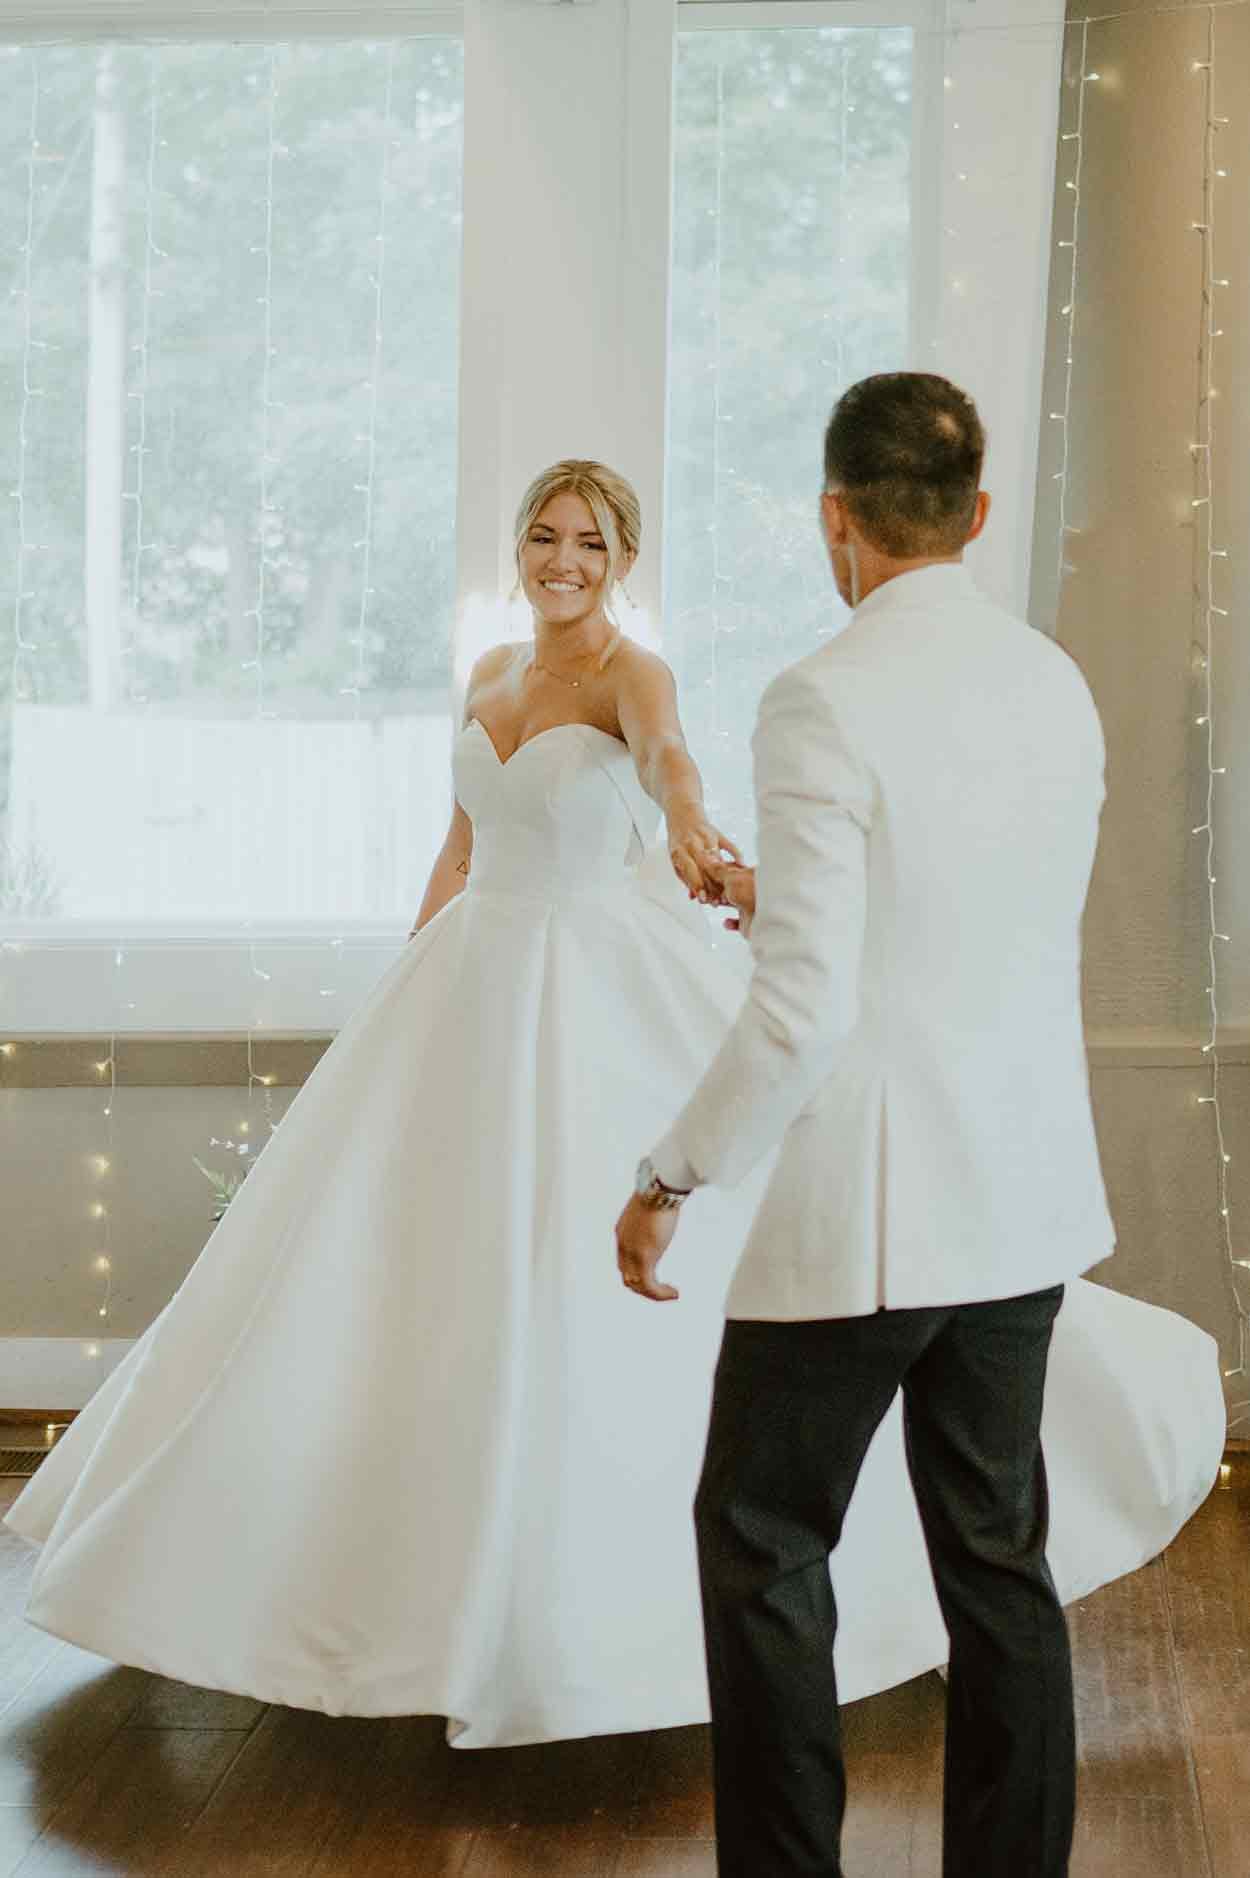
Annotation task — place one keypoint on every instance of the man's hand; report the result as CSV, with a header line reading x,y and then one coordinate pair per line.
x,y
737,889
643,1236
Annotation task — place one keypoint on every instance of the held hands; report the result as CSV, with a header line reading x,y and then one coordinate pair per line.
x,y
735,887
695,848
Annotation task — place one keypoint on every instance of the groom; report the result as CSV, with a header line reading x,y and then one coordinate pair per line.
x,y
929,786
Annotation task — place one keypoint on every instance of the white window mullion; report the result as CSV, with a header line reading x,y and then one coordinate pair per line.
x,y
565,268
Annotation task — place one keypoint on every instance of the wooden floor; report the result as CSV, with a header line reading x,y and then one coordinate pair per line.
x,y
109,1770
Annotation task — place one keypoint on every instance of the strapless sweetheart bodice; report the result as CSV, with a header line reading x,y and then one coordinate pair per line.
x,y
564,815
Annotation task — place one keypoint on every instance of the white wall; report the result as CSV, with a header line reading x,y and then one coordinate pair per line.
x,y
54,1346
1154,1139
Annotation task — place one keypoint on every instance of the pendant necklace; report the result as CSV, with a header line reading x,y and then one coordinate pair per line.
x,y
536,664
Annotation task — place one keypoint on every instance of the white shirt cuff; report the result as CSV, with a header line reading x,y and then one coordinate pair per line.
x,y
672,1167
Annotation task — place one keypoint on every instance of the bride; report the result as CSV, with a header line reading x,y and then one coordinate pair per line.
x,y
400,1443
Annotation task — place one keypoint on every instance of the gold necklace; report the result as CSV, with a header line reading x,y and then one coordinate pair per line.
x,y
536,664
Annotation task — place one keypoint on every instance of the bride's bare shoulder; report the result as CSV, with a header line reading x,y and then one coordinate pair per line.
x,y
496,659
639,664
492,664
645,694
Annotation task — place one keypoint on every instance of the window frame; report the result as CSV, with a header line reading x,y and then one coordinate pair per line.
x,y
51,22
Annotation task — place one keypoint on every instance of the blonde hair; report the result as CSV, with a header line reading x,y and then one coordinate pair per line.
x,y
611,499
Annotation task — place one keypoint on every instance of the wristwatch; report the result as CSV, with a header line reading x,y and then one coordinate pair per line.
x,y
651,1190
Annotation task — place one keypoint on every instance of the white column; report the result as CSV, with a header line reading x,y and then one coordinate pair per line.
x,y
991,249
567,187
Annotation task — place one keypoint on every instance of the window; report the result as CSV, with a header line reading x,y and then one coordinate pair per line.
x,y
228,420
228,425
795,272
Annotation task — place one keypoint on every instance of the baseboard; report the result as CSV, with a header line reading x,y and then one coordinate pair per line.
x,y
51,1373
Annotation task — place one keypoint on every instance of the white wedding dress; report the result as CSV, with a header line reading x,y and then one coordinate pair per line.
x,y
401,1443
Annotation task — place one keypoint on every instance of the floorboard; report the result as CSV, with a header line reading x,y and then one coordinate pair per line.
x,y
132,1810
109,1770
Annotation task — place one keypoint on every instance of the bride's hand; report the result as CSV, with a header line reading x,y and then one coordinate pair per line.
x,y
695,847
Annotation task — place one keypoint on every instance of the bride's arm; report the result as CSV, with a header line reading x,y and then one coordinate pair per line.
x,y
451,866
646,705
450,870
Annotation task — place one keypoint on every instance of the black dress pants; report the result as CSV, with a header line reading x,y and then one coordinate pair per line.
x,y
794,1409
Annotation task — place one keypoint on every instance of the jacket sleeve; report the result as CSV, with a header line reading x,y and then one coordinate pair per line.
x,y
815,803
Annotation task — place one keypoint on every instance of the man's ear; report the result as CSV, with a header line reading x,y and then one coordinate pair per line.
x,y
834,517
981,513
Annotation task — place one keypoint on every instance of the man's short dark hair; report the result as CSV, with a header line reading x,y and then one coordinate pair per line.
x,y
904,449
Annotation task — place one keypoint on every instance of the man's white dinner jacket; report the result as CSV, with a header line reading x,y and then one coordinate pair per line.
x,y
929,785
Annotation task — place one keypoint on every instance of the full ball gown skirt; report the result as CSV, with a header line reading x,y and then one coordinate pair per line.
x,y
402,1444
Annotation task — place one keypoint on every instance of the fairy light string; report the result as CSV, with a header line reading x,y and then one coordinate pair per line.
x,y
266,530
720,580
23,648
1071,245
367,440
132,696
840,312
22,687
1212,558
21,677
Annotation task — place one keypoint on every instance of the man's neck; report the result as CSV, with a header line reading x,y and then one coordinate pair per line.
x,y
881,568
